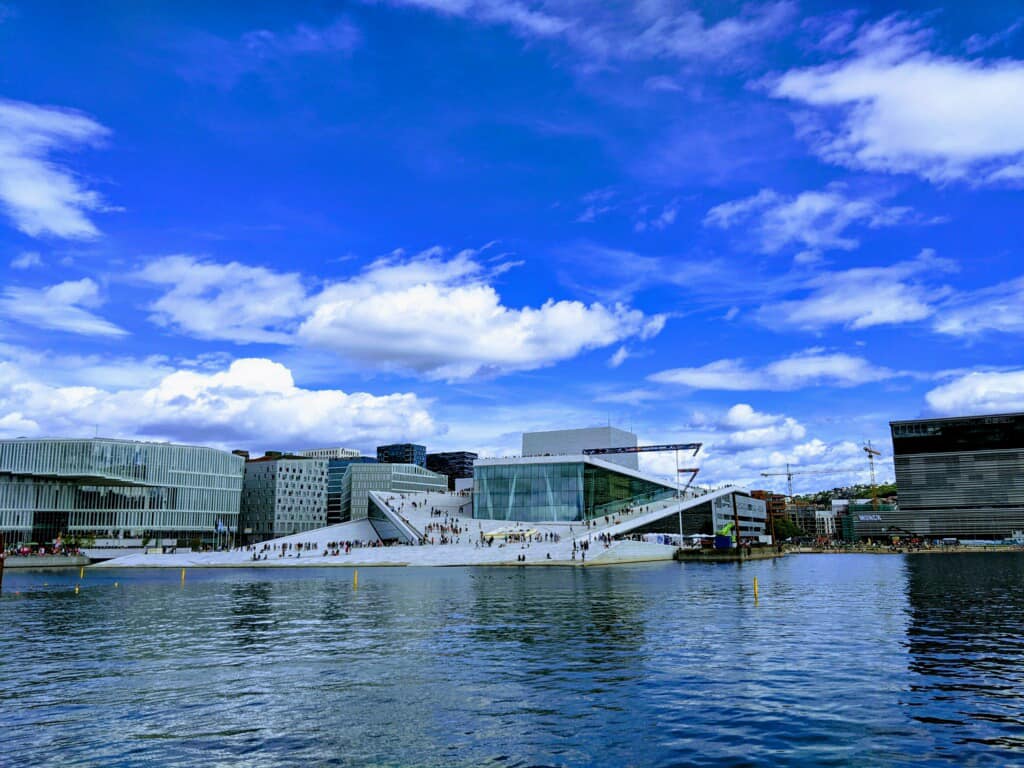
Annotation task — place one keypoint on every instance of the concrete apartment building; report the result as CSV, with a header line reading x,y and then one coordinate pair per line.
x,y
282,494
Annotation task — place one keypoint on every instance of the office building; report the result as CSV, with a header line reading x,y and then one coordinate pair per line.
x,y
360,479
402,453
110,489
960,477
281,495
575,441
455,465
336,468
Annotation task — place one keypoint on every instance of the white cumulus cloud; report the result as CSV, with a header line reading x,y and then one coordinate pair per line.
x,y
41,196
254,402
224,301
904,109
440,318
979,392
435,315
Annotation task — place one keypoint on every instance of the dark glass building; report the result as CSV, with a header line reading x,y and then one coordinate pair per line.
x,y
959,477
402,453
455,464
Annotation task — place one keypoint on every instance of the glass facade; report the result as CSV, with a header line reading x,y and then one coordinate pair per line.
x,y
336,469
557,492
104,487
360,479
960,477
402,453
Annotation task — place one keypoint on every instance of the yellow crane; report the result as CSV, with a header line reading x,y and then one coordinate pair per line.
x,y
871,452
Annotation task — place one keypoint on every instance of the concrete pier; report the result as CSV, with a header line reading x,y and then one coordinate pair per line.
x,y
725,555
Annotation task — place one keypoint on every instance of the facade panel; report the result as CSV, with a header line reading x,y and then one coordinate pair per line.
x,y
574,441
959,477
282,496
116,488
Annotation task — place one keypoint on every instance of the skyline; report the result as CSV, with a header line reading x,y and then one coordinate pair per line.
x,y
771,228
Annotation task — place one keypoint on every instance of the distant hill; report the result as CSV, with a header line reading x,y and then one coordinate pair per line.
x,y
849,492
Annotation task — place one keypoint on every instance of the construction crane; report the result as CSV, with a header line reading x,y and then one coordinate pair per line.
x,y
788,474
871,452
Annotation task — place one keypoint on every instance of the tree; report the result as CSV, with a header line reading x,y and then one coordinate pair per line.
x,y
787,529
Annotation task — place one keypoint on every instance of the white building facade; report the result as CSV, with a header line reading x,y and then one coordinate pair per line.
x,y
574,441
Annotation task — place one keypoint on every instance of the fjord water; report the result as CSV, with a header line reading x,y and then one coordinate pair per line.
x,y
844,660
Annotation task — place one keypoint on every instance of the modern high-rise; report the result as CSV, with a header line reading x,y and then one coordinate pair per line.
x,y
360,479
455,465
959,477
402,453
103,488
282,495
575,441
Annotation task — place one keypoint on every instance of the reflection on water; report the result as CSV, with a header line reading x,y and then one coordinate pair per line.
x,y
966,642
845,660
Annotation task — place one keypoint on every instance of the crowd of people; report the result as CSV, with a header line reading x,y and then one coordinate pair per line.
x,y
313,548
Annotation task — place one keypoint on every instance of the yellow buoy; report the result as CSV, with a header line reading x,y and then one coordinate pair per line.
x,y
755,588
81,572
183,577
76,589
115,583
355,579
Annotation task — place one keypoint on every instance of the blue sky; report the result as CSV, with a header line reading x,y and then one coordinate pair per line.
x,y
771,227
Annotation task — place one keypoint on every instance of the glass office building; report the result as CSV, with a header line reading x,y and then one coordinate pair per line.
x,y
559,489
360,479
117,489
336,468
455,465
959,477
402,453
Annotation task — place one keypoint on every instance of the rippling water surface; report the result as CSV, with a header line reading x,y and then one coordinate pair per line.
x,y
844,660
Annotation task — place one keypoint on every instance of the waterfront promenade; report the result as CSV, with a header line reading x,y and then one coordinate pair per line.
x,y
453,537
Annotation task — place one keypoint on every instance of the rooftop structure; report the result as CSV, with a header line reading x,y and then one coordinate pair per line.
x,y
575,441
329,453
106,488
959,477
